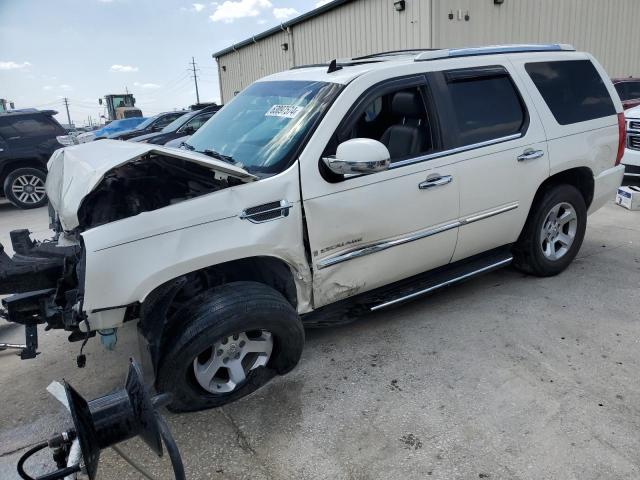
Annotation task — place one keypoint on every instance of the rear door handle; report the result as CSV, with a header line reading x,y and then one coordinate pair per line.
x,y
530,154
436,181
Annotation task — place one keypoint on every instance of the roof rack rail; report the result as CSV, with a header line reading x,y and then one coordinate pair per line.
x,y
394,52
339,63
492,50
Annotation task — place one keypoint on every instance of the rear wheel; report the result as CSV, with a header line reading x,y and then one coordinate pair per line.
x,y
554,232
25,188
233,340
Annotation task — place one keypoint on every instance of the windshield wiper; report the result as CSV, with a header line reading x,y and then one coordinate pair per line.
x,y
219,156
186,146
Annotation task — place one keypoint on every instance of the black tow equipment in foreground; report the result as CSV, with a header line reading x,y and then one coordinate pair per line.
x,y
105,421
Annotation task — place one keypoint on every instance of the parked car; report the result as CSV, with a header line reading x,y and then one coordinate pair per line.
x,y
320,194
629,91
179,142
186,124
110,129
631,159
150,125
27,140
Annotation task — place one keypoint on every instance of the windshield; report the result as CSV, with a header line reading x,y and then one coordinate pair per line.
x,y
262,127
177,123
147,122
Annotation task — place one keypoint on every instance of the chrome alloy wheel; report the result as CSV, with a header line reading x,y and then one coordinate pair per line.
x,y
29,189
226,365
559,231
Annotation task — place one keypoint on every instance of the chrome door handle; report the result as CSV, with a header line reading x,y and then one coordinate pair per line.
x,y
436,181
530,154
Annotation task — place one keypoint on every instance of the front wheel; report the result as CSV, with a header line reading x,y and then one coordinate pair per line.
x,y
25,188
233,340
553,233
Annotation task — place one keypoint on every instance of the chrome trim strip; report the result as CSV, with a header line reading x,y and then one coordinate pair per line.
x,y
493,213
453,151
284,208
499,264
386,244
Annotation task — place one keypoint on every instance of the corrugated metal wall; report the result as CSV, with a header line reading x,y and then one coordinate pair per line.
x,y
356,28
362,27
241,68
606,28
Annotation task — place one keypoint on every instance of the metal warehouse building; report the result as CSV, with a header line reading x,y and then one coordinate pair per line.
x,y
349,28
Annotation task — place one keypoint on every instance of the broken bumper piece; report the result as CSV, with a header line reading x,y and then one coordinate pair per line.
x,y
34,278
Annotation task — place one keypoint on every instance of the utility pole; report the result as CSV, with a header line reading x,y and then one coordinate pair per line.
x,y
195,78
66,104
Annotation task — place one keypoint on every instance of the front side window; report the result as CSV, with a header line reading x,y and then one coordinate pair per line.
x,y
397,118
573,90
486,106
263,126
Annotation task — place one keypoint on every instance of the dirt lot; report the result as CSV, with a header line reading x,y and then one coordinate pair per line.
x,y
504,377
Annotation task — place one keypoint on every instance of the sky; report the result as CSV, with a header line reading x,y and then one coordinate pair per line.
x,y
85,49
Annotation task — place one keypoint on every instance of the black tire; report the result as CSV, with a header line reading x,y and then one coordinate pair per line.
x,y
528,252
27,200
226,310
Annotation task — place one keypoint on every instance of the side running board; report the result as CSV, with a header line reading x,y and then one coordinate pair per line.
x,y
347,310
445,278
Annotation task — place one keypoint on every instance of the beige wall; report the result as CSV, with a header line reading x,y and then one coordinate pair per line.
x,y
356,28
607,28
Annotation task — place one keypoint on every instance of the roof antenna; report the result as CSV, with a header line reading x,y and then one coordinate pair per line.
x,y
333,66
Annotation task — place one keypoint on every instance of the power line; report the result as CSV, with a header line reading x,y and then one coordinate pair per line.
x,y
195,78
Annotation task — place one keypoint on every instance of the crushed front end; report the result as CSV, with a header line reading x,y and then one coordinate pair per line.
x,y
44,281
95,190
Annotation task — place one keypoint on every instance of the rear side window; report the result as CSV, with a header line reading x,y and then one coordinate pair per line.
x,y
573,90
28,127
486,105
628,90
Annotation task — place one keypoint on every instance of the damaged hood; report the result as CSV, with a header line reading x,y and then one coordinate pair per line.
x,y
76,171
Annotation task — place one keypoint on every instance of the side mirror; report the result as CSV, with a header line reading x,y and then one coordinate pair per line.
x,y
359,156
190,130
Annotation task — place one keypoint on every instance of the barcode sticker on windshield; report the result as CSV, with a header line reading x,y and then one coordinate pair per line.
x,y
285,111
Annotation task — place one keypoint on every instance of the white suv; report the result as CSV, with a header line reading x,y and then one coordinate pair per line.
x,y
631,159
316,195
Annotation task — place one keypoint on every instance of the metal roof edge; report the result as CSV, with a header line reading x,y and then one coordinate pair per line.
x,y
283,26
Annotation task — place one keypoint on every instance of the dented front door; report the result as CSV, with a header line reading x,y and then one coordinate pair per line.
x,y
373,230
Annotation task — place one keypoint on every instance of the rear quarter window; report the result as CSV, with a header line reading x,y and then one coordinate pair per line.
x,y
573,90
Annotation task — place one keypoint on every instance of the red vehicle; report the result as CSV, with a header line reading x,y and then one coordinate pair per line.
x,y
629,91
